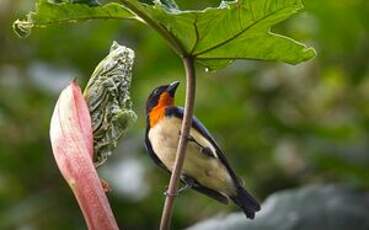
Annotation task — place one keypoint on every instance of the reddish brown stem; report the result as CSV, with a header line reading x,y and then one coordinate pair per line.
x,y
182,145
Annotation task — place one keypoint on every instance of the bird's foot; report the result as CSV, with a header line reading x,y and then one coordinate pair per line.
x,y
182,189
166,193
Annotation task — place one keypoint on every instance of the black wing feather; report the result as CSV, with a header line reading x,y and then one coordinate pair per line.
x,y
202,189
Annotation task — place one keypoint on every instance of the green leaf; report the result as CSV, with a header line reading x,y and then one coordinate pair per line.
x,y
234,30
48,13
87,2
170,4
214,36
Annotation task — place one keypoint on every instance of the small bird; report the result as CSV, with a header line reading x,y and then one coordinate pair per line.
x,y
205,168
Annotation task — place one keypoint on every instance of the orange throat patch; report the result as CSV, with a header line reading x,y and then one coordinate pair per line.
x,y
158,112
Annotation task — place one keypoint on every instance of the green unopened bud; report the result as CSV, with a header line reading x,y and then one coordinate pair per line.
x,y
109,102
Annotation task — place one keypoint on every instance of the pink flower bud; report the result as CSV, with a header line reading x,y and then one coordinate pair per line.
x,y
72,144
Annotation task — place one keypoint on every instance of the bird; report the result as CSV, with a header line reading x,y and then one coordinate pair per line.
x,y
205,168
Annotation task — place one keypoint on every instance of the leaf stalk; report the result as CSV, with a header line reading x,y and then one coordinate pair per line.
x,y
173,42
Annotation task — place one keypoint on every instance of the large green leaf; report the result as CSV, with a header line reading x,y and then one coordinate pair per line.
x,y
214,36
53,12
235,30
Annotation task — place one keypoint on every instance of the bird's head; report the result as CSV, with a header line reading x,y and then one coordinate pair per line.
x,y
160,98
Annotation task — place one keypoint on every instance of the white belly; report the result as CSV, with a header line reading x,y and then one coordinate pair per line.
x,y
208,171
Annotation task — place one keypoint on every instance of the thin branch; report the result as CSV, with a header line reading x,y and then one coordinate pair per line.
x,y
182,145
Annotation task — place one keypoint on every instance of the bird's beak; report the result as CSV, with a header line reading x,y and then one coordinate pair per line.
x,y
172,88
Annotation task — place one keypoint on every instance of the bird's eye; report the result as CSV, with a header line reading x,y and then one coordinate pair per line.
x,y
156,91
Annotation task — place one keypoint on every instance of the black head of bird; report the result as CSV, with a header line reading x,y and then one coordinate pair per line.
x,y
160,98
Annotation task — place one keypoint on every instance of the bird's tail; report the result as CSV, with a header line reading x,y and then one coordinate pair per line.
x,y
246,202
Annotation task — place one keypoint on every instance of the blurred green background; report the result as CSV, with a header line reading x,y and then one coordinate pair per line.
x,y
281,126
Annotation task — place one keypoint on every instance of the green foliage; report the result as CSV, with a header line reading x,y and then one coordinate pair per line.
x,y
88,2
48,13
234,30
213,36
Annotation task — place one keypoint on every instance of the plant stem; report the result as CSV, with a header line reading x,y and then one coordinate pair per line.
x,y
182,145
173,42
188,62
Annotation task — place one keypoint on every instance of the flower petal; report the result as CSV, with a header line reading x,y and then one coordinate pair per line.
x,y
72,144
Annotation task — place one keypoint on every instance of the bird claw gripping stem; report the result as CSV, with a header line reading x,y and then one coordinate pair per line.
x,y
181,189
109,102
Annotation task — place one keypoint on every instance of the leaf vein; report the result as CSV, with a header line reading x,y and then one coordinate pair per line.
x,y
197,35
237,34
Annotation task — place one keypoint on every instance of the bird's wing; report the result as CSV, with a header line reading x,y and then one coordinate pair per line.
x,y
204,149
198,126
204,190
184,178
